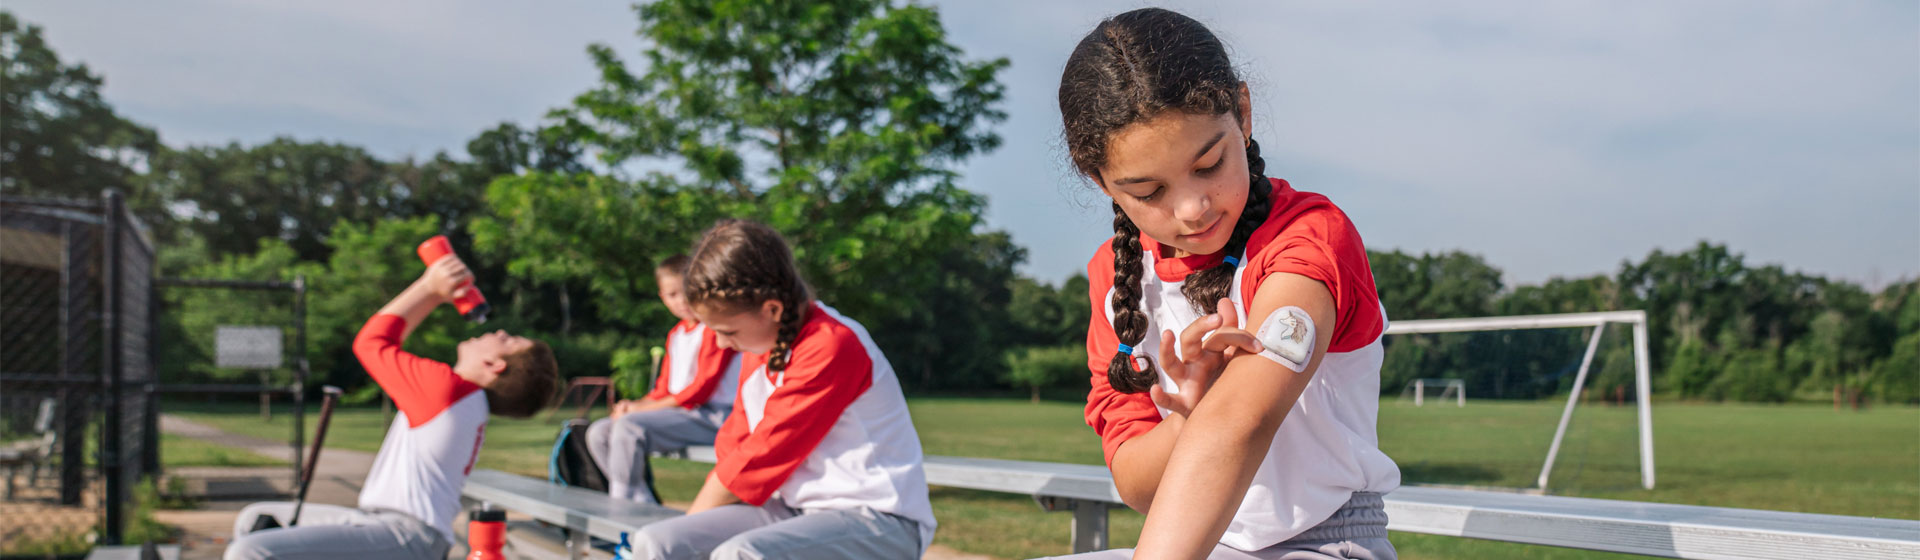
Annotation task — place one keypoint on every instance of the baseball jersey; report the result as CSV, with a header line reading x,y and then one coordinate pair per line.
x,y
434,440
698,370
830,432
1328,447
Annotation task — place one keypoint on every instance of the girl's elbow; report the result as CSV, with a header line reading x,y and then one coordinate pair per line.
x,y
1136,496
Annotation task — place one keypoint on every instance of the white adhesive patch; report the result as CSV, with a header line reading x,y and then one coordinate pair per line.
x,y
1287,335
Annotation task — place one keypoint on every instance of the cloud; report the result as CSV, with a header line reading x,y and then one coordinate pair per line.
x,y
1560,139
1554,138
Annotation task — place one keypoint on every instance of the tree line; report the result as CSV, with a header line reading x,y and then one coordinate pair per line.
x,y
843,126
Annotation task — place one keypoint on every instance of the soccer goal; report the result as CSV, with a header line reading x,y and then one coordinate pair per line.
x,y
1419,388
1534,354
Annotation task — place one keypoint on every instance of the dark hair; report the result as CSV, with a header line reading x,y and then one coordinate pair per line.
x,y
527,384
1131,68
739,264
675,265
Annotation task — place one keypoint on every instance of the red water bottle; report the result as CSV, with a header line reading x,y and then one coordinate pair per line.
x,y
486,533
471,304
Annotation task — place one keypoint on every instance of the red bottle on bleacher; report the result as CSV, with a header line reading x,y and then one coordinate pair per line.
x,y
486,533
471,305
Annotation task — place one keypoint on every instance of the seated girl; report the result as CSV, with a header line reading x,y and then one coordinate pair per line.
x,y
819,458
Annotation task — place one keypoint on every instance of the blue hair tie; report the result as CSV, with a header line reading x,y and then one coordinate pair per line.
x,y
1235,261
1126,350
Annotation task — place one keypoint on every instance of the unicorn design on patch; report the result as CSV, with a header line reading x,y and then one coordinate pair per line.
x,y
1287,335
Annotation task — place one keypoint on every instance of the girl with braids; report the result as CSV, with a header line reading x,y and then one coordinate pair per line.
x,y
818,458
1237,442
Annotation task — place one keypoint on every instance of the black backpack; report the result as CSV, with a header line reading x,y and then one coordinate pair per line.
x,y
571,463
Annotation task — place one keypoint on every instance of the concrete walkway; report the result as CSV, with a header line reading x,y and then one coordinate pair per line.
x,y
336,480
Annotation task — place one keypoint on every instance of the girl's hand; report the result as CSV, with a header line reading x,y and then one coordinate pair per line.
x,y
1206,345
448,278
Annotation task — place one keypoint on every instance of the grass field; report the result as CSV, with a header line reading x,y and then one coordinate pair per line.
x,y
1794,458
178,451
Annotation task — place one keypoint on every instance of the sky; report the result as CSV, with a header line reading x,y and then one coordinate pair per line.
x,y
1554,139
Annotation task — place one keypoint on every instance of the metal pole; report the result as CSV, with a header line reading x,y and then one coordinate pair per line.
x,y
1089,526
1566,415
300,372
74,286
110,443
1643,383
150,452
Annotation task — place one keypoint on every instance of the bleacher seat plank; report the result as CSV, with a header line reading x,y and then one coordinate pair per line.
x,y
1666,530
576,509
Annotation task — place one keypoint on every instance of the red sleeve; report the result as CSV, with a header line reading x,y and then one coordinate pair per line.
x,y
1116,416
422,388
1311,237
825,374
708,369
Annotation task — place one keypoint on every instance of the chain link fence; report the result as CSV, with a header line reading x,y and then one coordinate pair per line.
x,y
77,408
226,338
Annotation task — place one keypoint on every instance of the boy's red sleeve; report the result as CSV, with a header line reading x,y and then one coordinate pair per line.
x,y
709,369
420,387
824,376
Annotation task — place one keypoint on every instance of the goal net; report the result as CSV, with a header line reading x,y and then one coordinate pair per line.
x,y
1418,390
1535,379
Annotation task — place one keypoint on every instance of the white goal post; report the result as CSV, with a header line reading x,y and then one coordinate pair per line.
x,y
1418,388
1642,365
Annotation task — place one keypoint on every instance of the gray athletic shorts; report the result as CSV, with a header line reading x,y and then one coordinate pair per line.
x,y
329,531
621,446
775,531
1358,531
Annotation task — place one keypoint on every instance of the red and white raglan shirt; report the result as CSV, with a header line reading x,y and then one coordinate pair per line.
x,y
699,370
1327,448
830,432
432,444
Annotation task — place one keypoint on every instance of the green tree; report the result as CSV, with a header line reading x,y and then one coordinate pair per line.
x,y
953,334
599,232
507,149
1434,286
1896,316
189,317
1039,367
234,196
1687,296
367,265
1045,315
839,123
1561,295
58,137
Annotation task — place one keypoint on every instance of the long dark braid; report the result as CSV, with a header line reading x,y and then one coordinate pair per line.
x,y
792,317
741,264
1205,288
1132,68
1129,319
